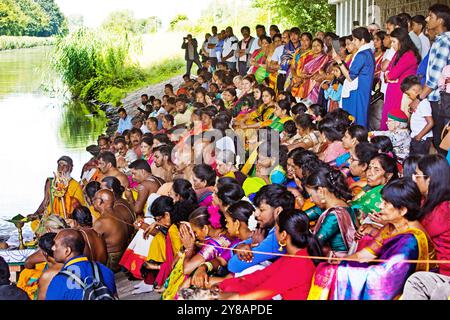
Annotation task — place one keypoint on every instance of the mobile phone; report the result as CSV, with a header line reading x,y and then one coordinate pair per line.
x,y
336,46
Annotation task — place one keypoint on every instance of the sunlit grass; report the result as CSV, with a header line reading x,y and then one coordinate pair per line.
x,y
11,42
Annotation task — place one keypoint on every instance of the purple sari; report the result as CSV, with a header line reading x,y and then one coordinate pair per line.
x,y
311,87
376,280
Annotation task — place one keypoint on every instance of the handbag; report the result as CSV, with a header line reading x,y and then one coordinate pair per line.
x,y
445,138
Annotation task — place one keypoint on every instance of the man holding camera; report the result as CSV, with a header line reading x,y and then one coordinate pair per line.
x,y
191,53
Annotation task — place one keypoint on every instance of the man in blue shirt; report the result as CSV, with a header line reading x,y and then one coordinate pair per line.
x,y
68,249
124,121
270,200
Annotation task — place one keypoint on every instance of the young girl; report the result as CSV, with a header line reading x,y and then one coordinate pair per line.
x,y
333,89
317,113
309,137
206,225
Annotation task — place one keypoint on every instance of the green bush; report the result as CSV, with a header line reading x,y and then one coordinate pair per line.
x,y
12,42
96,65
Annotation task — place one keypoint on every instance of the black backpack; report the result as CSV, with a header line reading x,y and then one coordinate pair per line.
x,y
92,290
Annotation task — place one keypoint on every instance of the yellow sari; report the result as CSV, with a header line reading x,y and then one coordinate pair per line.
x,y
299,60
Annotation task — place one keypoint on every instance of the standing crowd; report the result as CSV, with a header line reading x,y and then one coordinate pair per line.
x,y
281,171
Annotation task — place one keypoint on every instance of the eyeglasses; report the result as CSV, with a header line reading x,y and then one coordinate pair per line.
x,y
415,175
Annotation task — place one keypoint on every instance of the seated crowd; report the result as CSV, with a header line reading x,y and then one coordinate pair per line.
x,y
265,176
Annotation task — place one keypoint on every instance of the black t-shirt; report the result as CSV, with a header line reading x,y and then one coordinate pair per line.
x,y
11,292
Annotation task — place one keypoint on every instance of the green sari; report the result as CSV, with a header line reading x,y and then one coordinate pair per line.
x,y
368,200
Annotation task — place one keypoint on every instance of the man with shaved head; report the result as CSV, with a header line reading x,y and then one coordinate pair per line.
x,y
111,227
68,249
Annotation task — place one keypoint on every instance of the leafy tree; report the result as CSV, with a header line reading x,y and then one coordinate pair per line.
x,y
178,18
37,19
309,16
58,23
149,25
13,21
121,21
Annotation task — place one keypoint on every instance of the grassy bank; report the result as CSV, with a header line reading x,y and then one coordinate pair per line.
x,y
11,42
158,72
98,65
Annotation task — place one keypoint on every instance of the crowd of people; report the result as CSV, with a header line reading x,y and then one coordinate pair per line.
x,y
264,177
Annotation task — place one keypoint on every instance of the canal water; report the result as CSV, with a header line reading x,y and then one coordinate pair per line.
x,y
38,125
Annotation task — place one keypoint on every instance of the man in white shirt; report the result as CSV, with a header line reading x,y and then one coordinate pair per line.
x,y
229,48
212,41
418,25
243,54
387,57
260,31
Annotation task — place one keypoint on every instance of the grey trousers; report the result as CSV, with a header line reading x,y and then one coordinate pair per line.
x,y
427,286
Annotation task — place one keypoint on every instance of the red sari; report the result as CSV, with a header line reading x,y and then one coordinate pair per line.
x,y
437,225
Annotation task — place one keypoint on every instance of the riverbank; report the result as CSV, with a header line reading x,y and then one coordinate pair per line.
x,y
13,42
133,98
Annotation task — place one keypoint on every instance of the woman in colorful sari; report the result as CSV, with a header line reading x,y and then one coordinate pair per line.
x,y
166,242
432,176
272,66
301,56
359,162
380,49
237,223
229,97
282,278
203,180
246,101
402,238
313,70
280,116
382,168
258,60
336,225
262,113
206,226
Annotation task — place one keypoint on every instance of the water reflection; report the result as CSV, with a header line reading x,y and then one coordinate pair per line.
x,y
37,130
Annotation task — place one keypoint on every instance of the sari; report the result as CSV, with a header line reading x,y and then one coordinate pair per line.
x,y
367,200
298,61
204,196
375,280
376,76
177,276
259,72
309,86
29,279
336,228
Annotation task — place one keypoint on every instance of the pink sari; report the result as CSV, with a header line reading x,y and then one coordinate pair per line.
x,y
313,67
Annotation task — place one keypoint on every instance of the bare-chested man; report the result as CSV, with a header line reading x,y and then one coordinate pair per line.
x,y
108,166
110,228
162,156
45,244
121,206
148,184
95,248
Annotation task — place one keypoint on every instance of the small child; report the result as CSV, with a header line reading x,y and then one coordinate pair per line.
x,y
398,133
298,109
237,81
333,90
317,113
421,121
289,134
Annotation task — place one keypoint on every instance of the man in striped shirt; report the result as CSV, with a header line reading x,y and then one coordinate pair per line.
x,y
438,21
